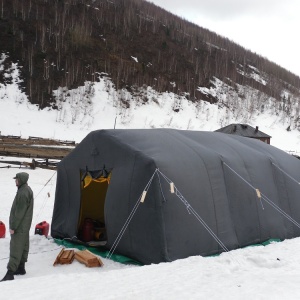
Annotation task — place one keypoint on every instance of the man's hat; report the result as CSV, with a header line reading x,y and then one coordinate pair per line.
x,y
18,175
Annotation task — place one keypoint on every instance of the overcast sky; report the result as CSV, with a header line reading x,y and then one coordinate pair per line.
x,y
268,27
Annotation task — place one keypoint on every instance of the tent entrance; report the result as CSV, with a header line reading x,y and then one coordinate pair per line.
x,y
91,225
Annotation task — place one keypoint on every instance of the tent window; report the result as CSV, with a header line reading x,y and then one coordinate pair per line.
x,y
94,185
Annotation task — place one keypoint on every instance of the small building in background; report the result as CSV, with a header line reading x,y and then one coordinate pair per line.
x,y
246,131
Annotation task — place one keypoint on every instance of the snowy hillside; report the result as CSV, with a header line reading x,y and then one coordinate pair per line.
x,y
98,105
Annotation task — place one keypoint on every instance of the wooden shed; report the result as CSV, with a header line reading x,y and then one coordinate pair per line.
x,y
246,131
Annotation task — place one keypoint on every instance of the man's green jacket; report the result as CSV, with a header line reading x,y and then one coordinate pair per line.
x,y
22,208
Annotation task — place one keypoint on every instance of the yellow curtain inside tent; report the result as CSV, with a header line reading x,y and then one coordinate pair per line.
x,y
93,193
88,179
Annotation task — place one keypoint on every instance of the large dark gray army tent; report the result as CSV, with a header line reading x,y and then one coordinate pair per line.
x,y
229,192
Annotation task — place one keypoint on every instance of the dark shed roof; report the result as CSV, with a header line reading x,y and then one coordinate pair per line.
x,y
243,130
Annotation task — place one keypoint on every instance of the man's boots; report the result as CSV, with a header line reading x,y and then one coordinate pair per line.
x,y
21,269
8,276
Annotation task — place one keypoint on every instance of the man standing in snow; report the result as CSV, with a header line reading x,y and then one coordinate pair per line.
x,y
19,225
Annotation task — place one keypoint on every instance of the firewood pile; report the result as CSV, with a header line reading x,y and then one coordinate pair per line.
x,y
84,256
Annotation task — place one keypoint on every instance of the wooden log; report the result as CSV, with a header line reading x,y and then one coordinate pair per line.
x,y
64,257
88,258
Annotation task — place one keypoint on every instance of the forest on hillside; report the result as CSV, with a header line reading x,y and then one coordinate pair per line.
x,y
133,42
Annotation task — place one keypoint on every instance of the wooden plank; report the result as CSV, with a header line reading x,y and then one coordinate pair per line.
x,y
57,257
88,258
64,257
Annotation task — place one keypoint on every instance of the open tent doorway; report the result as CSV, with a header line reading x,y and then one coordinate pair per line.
x,y
94,186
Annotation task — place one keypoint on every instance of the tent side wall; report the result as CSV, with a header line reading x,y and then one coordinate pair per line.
x,y
143,237
225,200
197,174
249,167
61,208
285,175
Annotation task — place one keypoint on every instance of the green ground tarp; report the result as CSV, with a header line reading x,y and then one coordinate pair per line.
x,y
126,260
266,243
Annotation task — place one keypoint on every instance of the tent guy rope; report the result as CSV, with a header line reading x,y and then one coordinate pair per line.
x,y
257,192
141,199
45,199
191,210
264,197
292,178
121,233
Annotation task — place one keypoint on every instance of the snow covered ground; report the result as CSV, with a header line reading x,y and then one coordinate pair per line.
x,y
261,272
